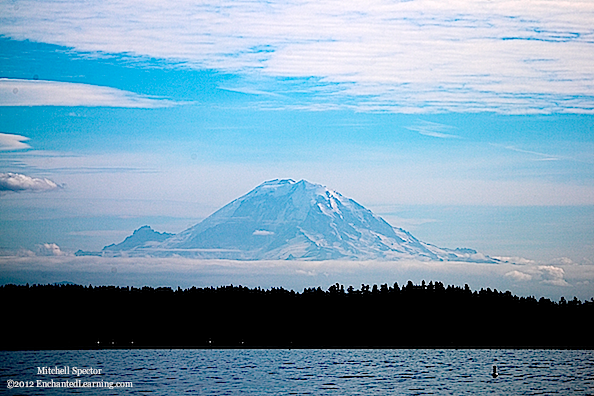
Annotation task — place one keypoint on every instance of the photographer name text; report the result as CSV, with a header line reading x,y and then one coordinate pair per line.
x,y
67,370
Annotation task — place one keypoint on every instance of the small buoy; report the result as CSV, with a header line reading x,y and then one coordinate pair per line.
x,y
495,374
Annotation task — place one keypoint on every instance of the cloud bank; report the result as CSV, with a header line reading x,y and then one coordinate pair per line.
x,y
16,182
17,92
401,56
51,264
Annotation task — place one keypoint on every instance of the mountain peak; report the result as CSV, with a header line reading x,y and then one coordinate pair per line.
x,y
276,182
283,186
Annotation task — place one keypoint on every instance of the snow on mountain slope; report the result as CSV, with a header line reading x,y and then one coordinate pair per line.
x,y
284,219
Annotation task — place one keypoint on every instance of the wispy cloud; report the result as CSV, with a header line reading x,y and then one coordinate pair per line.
x,y
250,91
10,141
433,129
16,92
541,156
403,56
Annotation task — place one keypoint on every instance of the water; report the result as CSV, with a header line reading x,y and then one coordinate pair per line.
x,y
315,372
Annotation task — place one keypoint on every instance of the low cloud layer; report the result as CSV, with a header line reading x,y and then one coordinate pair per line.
x,y
16,92
525,280
16,182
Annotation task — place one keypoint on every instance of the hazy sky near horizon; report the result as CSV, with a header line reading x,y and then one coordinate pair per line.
x,y
469,124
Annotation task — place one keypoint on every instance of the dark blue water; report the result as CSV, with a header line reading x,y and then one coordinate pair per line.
x,y
315,372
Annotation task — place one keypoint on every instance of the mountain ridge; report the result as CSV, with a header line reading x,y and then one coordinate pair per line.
x,y
144,236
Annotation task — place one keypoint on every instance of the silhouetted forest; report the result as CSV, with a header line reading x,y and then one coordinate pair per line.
x,y
427,315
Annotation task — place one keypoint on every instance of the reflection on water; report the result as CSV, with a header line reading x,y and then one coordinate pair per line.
x,y
318,372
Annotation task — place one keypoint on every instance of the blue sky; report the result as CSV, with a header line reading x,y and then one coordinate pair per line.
x,y
470,124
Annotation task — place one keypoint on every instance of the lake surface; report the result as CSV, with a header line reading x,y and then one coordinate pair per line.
x,y
302,372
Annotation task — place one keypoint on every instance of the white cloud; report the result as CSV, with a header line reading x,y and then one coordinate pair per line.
x,y
518,276
16,92
553,275
16,182
405,56
10,141
544,274
50,249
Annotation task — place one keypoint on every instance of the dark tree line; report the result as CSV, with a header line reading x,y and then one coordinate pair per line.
x,y
426,315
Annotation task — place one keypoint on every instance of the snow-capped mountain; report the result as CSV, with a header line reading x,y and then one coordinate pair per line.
x,y
284,219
